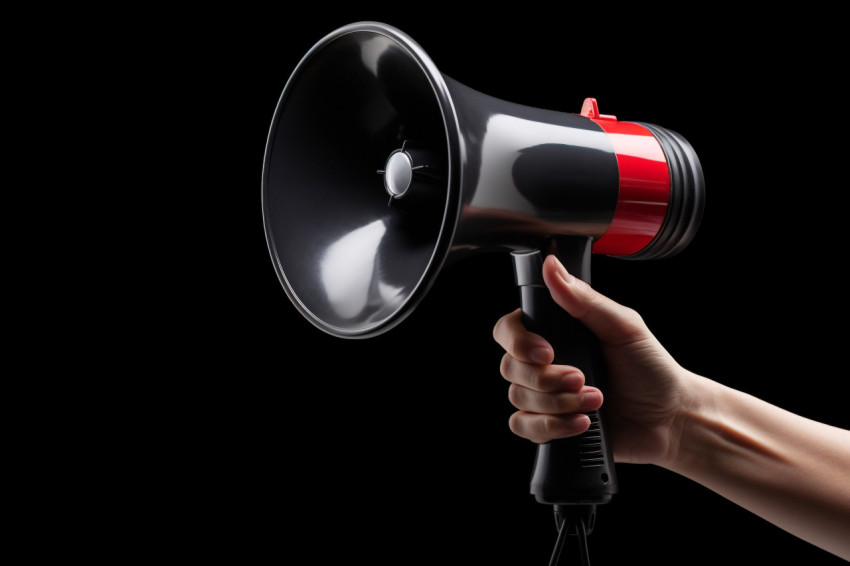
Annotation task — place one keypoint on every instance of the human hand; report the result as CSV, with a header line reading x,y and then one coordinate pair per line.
x,y
644,387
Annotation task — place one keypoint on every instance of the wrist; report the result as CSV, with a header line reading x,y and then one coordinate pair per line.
x,y
698,412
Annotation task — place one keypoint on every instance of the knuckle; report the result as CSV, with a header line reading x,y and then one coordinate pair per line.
x,y
516,426
505,366
562,403
547,426
516,396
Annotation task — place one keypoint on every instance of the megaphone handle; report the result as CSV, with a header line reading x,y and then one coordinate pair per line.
x,y
579,470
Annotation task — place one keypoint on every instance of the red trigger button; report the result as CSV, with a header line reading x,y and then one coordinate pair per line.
x,y
590,109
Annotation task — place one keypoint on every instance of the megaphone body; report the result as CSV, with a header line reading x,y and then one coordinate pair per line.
x,y
379,170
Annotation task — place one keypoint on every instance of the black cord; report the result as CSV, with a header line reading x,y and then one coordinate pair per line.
x,y
582,542
564,526
559,542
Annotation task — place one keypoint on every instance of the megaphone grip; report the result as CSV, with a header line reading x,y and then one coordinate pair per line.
x,y
578,470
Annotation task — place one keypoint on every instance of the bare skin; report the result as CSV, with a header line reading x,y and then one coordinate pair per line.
x,y
787,469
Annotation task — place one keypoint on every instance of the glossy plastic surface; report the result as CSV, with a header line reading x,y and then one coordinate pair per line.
x,y
529,173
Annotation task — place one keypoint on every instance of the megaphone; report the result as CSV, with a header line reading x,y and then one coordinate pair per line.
x,y
379,170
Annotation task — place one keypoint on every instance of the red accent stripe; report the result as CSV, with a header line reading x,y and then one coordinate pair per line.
x,y
644,189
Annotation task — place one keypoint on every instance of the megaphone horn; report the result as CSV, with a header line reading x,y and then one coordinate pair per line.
x,y
379,170
356,249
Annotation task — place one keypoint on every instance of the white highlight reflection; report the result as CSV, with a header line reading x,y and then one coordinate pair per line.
x,y
504,137
371,50
348,272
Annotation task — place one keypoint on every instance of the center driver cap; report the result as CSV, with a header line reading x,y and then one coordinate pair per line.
x,y
398,173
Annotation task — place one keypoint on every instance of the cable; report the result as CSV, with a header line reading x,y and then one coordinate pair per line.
x,y
564,526
582,543
559,542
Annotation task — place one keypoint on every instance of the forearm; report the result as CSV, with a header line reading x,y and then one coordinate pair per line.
x,y
789,470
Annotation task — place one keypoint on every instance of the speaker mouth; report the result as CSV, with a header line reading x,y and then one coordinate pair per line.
x,y
360,194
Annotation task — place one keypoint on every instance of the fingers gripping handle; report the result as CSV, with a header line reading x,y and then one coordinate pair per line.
x,y
578,470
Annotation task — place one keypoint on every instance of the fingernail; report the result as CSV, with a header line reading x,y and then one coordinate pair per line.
x,y
565,275
572,381
590,401
541,355
581,422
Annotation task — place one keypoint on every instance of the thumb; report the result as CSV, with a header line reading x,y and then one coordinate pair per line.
x,y
612,322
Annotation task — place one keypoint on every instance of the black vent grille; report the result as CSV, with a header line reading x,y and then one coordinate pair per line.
x,y
590,450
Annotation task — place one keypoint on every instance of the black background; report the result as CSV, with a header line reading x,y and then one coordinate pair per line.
x,y
262,439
